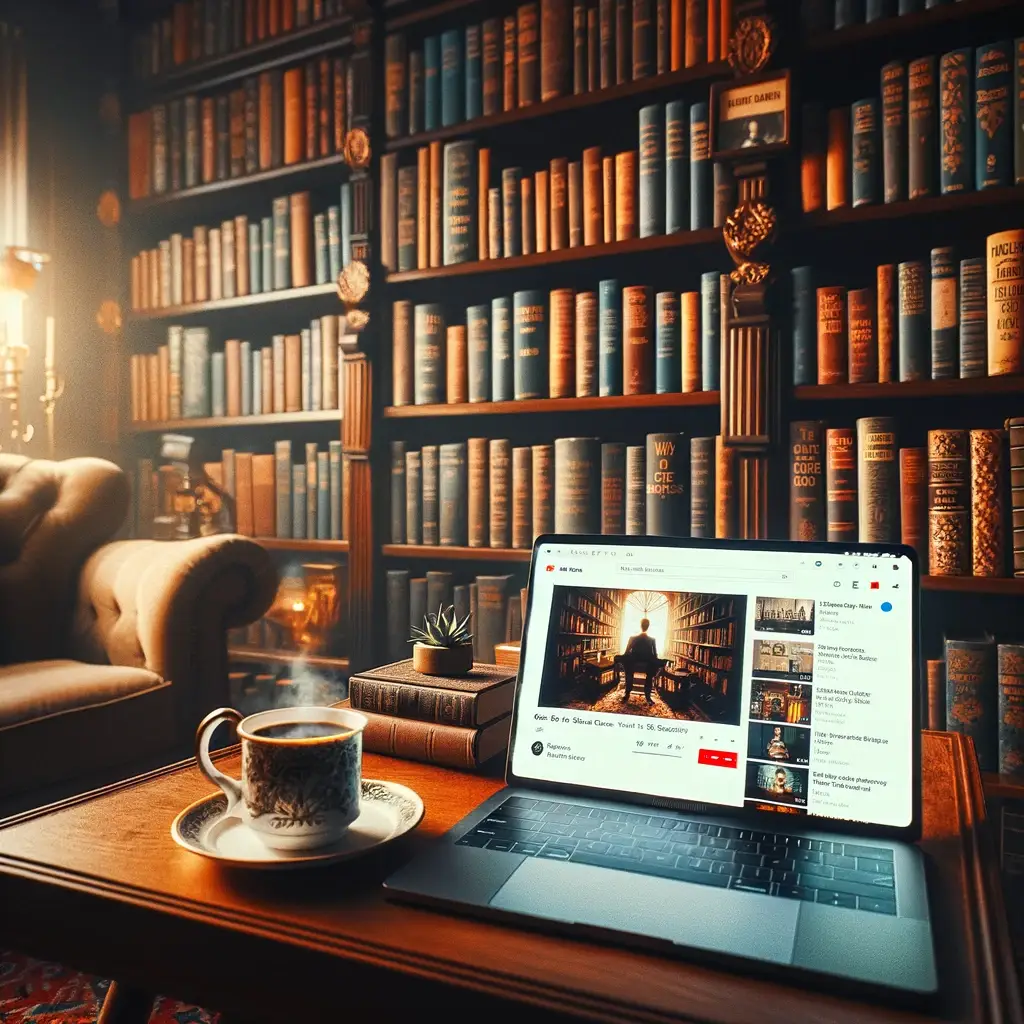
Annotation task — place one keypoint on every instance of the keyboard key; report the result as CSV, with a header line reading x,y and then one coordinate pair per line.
x,y
550,828
836,899
864,877
635,819
592,847
473,839
698,864
684,839
806,856
870,852
778,863
751,859
558,848
527,849
621,853
560,808
714,842
681,849
876,906
773,850
616,840
838,860
849,888
728,832
796,892
652,844
698,826
617,826
515,834
722,868
551,818
813,844
750,885
661,822
543,805
715,854
653,857
646,832
577,811
662,871
502,845
760,874
742,846
556,854
762,837
876,867
822,870
785,877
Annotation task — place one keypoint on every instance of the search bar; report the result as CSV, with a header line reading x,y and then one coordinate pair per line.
x,y
710,572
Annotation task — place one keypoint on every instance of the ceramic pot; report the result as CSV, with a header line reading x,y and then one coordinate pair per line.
x,y
442,661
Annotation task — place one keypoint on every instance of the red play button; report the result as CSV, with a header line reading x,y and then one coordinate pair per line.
x,y
718,758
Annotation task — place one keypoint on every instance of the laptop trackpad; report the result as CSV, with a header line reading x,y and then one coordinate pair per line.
x,y
742,924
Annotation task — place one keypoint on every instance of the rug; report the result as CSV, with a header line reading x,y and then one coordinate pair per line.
x,y
38,992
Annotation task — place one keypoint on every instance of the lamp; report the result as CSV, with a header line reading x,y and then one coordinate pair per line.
x,y
308,607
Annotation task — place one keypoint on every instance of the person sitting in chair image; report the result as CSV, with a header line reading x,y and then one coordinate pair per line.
x,y
641,652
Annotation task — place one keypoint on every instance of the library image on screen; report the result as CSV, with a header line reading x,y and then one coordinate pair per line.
x,y
655,653
784,615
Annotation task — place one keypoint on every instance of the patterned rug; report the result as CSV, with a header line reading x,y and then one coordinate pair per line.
x,y
37,992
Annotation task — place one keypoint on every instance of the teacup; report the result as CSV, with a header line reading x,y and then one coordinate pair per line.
x,y
301,774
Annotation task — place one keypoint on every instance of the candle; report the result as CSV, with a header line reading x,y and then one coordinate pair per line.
x,y
48,360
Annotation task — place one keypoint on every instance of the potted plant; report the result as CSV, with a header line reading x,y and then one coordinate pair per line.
x,y
444,647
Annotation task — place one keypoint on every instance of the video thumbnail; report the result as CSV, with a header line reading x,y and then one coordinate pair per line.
x,y
784,659
756,805
787,743
778,783
657,653
772,700
784,615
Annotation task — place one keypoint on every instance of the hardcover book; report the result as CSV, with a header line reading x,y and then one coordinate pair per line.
x,y
652,170
922,117
636,491
866,155
863,348
972,696
832,340
840,484
638,341
610,337
586,345
522,500
1010,709
914,347
543,489
877,480
989,493
702,487
993,115
562,344
805,332
807,480
530,345
429,470
973,345
452,494
502,377
460,182
429,362
667,507
945,311
577,485
949,531
668,353
1005,280
914,499
956,137
500,481
478,501
677,167
613,488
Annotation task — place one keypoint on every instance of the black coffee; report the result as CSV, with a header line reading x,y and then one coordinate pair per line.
x,y
299,730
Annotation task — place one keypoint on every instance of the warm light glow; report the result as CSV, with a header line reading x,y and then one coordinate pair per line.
x,y
298,606
634,611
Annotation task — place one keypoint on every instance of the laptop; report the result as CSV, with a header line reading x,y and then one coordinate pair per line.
x,y
715,750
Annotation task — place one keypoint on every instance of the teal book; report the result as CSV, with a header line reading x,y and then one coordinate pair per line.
x,y
429,354
217,386
993,115
478,358
299,501
335,469
282,244
323,496
195,379
956,168
345,221
459,228
321,263
710,330
415,92
267,254
652,170
668,368
511,212
245,375
677,166
316,365
502,384
334,241
453,89
609,337
407,218
530,344
255,260
866,152
431,83
474,73
283,488
306,368
701,174
312,490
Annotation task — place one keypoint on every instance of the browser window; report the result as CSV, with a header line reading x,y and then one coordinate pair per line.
x,y
779,680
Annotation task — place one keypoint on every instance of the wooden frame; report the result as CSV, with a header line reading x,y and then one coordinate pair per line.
x,y
763,109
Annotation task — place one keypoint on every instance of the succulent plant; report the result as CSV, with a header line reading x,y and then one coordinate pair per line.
x,y
442,629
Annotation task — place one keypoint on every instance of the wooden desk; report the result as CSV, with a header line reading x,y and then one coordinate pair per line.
x,y
96,882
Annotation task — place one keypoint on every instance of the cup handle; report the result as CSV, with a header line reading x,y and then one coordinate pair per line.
x,y
232,787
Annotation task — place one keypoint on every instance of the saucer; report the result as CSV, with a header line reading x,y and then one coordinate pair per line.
x,y
387,811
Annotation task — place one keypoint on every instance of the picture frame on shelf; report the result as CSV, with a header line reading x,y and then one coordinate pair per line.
x,y
751,117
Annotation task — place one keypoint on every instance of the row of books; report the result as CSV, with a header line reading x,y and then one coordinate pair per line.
x,y
941,126
922,320
565,344
542,51
199,30
485,493
978,690
274,120
272,496
444,211
825,15
289,249
183,379
951,500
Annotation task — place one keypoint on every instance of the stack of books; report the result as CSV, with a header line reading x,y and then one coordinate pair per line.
x,y
459,722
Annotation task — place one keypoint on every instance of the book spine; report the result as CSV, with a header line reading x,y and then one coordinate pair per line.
x,y
543,489
914,347
579,48
593,50
460,181
702,487
613,488
677,167
500,480
894,132
1010,709
430,525
430,742
945,312
668,350
701,183
922,117
643,40
452,495
320,260
636,490
511,212
606,33
412,702
949,543
435,205
530,343
402,353
888,346
562,364
527,54
453,88
625,196
542,203
877,480
414,497
478,330
813,157
256,285
283,488
837,159
993,115
398,510
577,485
491,70
456,377
972,697
429,356
522,502
914,499
586,345
574,197
723,192
690,341
662,37
956,139
623,39
593,197
608,196
407,227
637,341
667,507
431,83
282,244
973,318
312,490
217,396
396,589
395,94
863,349
832,339
1005,280
474,69
609,327
866,185
509,84
696,45
557,35
710,330
806,481
193,150
840,485
805,335
559,178
527,215
989,491
502,376
478,515
652,170
483,191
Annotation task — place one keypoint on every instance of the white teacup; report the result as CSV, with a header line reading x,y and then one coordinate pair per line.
x,y
301,774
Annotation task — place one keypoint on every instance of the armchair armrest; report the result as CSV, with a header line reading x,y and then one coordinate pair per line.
x,y
167,605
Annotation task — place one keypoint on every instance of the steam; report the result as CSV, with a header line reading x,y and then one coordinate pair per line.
x,y
311,688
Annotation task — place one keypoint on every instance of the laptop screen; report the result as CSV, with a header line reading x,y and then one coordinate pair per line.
x,y
769,679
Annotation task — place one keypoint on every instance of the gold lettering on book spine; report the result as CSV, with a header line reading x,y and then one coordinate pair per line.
x,y
988,541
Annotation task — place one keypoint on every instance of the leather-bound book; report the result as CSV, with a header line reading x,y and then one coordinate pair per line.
x,y
528,216
1010,709
637,341
530,345
528,54
636,490
556,29
888,343
609,332
677,166
667,504
1015,429
949,522
914,321
945,314
812,158
702,487
806,480
579,48
586,345
453,77
840,484
973,346
491,67
456,363
989,493
398,508
865,145
613,487
509,60
302,241
435,206
430,472
562,363
502,362
559,210
511,212
574,197
593,197
935,670
452,507
623,41
541,211
294,116
972,698
292,373
696,37
593,50
263,501
500,486
677,35
414,497
643,42
956,167
208,117
837,163
690,340
994,99
862,307
542,489
832,340
922,119
422,208
522,499
312,119
667,354
478,514
608,197
877,480
406,227
428,351
914,499
577,485
396,589
701,180
473,105
726,506
1005,277
459,229
625,195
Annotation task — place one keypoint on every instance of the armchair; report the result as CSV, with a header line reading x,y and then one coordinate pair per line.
x,y
110,653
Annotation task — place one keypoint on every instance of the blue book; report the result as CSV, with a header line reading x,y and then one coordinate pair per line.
x,y
710,330
431,83
478,342
502,389
453,89
334,241
805,319
668,354
956,82
299,501
459,212
316,365
346,224
282,244
257,383
609,337
245,376
321,263
701,175
283,488
217,385
474,73
914,321
652,170
993,120
677,166
306,365
866,152
255,260
335,471
267,260
530,344
323,497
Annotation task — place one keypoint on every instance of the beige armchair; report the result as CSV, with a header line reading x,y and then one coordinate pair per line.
x,y
110,653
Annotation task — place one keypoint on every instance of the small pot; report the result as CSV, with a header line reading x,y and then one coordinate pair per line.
x,y
442,661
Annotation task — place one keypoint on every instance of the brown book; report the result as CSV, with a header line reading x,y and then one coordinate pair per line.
x,y
266,107
136,287
208,124
689,318
936,674
863,354
153,386
312,116
527,53
267,380
562,365
456,379
339,76
483,163
608,197
236,132
292,373
509,83
559,203
725,21
507,654
422,208
522,501
714,27
812,158
435,192
555,48
302,243
637,341
625,195
500,484
593,197
401,353
478,518
677,35
989,492
325,104
837,161
726,508
245,522
294,116
575,202
527,216
1005,277
542,489
188,271
696,40
329,365
263,496
233,377
241,255
832,345
201,237
841,484
914,499
541,202
164,373
288,15
135,374
949,530
886,322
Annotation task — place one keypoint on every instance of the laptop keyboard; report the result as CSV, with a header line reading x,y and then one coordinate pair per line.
x,y
775,864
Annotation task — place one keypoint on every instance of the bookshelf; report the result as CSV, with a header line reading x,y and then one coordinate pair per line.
x,y
446,553
956,387
553,406
268,419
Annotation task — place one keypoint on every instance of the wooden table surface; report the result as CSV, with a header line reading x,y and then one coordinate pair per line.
x,y
96,882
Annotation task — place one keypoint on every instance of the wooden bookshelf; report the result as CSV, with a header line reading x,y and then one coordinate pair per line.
x,y
1002,786
563,104
233,422
263,657
609,403
629,247
954,387
444,553
1006,586
239,302
426,13
336,547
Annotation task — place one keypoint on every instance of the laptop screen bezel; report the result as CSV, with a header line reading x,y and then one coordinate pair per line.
x,y
764,819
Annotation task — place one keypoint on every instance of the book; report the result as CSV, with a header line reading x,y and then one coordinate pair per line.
x,y
522,501
677,167
652,170
406,225
922,119
395,89
542,486
429,476
701,181
452,494
935,671
973,342
414,497
949,527
989,492
460,180
478,487
643,38
478,334
956,140
840,485
299,495
877,480
502,376
625,196
527,216
453,88
894,132
914,499
1010,709
609,320
813,157
510,61
804,321
832,336
666,501
863,347
993,120
886,323
195,385
914,346
807,512
431,83
636,490
623,39
473,105
500,489
264,504
428,347
865,153
710,330
530,345
696,32
456,382
837,159
945,314
402,352
613,488
435,199
1018,112
574,200
491,611
511,212
702,487
283,508
637,341
593,196
586,343
668,351
398,491
580,42
972,696
1004,276
491,73
396,590
556,48
562,357
527,54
